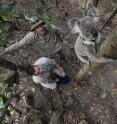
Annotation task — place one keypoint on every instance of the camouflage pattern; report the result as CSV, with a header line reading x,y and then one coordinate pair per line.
x,y
45,46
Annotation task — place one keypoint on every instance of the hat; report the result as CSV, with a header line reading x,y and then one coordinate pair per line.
x,y
36,25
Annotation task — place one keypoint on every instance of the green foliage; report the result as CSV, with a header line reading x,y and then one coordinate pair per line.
x,y
4,36
49,27
2,107
1,104
9,13
8,89
114,1
45,16
1,101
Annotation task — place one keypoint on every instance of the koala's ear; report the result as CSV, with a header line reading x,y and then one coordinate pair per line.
x,y
74,25
94,13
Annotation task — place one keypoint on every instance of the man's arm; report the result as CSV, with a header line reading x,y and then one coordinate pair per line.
x,y
57,28
57,66
59,32
28,39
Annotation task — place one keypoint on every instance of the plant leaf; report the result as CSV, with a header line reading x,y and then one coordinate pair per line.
x,y
1,101
6,18
49,28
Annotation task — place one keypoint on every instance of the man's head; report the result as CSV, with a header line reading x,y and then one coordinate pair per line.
x,y
34,70
40,27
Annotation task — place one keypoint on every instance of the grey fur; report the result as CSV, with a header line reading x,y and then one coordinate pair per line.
x,y
89,38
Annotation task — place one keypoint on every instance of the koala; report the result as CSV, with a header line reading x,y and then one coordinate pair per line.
x,y
89,39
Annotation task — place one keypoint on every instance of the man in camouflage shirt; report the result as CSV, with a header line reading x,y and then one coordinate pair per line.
x,y
46,42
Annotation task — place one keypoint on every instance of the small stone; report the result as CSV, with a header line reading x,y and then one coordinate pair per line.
x,y
75,88
103,96
83,122
70,97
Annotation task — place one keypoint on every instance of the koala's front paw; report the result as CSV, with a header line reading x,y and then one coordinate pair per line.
x,y
111,60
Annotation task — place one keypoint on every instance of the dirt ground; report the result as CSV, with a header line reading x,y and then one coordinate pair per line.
x,y
94,99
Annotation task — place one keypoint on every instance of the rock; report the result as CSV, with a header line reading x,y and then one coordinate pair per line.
x,y
83,122
103,95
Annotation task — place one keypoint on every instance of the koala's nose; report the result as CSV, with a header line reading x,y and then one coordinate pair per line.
x,y
94,32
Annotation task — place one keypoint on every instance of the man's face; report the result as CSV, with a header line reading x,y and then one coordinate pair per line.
x,y
42,30
38,70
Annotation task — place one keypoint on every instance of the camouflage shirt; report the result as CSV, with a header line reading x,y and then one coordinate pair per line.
x,y
51,44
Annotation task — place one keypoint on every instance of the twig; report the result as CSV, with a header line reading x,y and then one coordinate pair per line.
x,y
109,19
16,109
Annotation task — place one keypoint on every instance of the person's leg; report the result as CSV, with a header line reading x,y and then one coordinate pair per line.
x,y
62,55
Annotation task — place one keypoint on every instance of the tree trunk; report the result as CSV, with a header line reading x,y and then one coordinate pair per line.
x,y
90,3
108,49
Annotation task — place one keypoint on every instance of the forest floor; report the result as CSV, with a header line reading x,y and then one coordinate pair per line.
x,y
94,99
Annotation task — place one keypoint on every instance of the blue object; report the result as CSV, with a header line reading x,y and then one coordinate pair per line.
x,y
65,80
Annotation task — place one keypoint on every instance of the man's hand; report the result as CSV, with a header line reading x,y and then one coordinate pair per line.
x,y
62,73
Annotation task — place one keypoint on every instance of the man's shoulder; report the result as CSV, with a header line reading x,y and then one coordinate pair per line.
x,y
42,60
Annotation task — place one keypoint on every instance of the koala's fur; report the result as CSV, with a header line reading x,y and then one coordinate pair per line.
x,y
89,38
